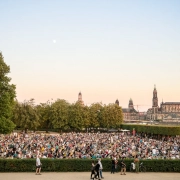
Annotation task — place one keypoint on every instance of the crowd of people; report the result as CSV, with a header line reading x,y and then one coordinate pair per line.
x,y
89,146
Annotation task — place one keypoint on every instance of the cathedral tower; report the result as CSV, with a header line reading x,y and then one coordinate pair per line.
x,y
155,98
154,104
80,98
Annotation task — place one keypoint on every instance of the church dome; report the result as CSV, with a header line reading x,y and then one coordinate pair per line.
x,y
117,102
131,101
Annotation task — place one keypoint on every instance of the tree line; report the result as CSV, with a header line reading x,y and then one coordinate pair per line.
x,y
64,116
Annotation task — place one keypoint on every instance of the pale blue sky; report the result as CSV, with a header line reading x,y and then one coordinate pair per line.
x,y
105,49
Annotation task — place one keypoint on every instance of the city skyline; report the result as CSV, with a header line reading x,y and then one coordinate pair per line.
x,y
108,50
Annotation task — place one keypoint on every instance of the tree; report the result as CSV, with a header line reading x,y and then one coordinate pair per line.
x,y
60,115
25,115
111,116
46,115
95,115
7,95
75,116
86,117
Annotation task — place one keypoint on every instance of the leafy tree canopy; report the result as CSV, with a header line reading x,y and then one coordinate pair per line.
x,y
7,95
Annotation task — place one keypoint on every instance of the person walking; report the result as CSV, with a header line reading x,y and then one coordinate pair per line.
x,y
123,167
136,161
100,168
97,176
38,166
92,170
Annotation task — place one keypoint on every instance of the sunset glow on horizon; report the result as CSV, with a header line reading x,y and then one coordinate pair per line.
x,y
107,50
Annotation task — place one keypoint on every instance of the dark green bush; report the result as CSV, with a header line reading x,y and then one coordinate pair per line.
x,y
153,129
80,165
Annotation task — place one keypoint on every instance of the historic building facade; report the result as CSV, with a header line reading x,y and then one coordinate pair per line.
x,y
167,110
129,113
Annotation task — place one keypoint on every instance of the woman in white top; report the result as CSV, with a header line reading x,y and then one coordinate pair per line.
x,y
38,166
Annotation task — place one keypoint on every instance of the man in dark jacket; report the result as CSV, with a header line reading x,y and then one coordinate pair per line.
x,y
96,169
112,166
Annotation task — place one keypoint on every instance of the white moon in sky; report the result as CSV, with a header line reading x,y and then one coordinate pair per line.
x,y
54,41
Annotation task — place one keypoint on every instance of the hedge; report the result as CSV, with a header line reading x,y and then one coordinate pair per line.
x,y
153,129
80,165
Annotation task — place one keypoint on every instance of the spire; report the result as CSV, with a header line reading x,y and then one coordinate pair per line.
x,y
154,87
155,98
155,91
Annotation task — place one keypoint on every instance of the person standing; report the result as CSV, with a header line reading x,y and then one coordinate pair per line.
x,y
97,166
100,168
123,167
136,161
112,166
38,166
116,164
92,170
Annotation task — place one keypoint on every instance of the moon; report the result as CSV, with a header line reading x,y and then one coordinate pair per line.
x,y
54,41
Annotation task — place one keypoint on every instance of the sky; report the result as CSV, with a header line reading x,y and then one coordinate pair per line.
x,y
108,50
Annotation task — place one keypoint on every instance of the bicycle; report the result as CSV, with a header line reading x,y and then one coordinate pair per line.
x,y
142,168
